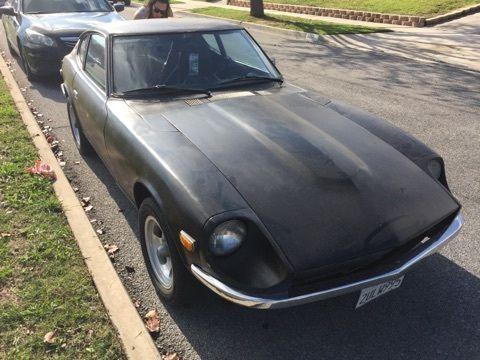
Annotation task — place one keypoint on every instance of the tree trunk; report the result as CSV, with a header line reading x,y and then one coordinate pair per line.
x,y
256,8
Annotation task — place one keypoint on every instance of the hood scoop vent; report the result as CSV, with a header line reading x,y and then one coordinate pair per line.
x,y
195,102
220,96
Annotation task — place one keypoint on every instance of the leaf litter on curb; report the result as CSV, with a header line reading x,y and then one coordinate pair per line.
x,y
152,321
171,356
111,250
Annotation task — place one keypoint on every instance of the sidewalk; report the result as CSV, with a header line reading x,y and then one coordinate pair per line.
x,y
456,43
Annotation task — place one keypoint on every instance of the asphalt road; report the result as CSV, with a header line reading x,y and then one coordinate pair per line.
x,y
436,312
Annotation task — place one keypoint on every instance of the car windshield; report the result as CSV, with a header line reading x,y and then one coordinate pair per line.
x,y
65,6
190,61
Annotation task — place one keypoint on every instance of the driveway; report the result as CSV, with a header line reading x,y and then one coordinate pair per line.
x,y
436,312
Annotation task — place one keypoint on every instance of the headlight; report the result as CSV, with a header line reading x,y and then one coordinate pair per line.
x,y
36,38
227,237
435,168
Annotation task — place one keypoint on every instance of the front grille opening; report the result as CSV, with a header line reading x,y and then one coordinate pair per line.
x,y
390,260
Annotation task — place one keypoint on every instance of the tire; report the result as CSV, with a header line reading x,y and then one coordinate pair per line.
x,y
174,289
26,67
10,48
81,142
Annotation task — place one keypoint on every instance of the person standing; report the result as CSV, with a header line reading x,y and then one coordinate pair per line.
x,y
154,9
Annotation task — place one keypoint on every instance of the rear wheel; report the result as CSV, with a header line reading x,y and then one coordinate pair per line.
x,y
81,142
165,267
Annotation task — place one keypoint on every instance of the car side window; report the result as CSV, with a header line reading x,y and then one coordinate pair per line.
x,y
82,49
95,60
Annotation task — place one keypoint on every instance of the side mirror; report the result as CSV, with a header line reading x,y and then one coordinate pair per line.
x,y
119,7
7,10
274,61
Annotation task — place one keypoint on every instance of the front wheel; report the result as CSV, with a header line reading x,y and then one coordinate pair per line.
x,y
26,67
165,267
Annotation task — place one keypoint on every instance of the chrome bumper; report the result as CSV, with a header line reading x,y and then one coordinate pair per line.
x,y
264,303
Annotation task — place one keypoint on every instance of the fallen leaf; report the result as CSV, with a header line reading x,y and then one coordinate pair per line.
x,y
5,235
88,208
42,169
152,321
171,356
100,232
93,221
49,337
62,163
77,163
89,334
111,249
86,199
75,189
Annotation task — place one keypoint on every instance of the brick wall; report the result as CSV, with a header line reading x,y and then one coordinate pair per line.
x,y
338,13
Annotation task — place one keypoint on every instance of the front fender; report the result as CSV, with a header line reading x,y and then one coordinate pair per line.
x,y
412,148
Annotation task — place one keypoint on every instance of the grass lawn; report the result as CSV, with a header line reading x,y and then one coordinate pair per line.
x,y
44,284
288,22
427,8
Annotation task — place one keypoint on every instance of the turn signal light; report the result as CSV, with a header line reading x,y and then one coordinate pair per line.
x,y
187,241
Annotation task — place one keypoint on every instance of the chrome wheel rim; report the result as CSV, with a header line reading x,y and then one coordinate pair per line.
x,y
158,253
74,125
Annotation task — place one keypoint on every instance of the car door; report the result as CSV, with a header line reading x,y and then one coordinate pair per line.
x,y
89,93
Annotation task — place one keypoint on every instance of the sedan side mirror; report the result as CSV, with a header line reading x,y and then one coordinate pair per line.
x,y
119,7
7,10
274,61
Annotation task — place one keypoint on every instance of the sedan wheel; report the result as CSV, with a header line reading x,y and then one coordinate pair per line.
x,y
28,72
81,142
169,275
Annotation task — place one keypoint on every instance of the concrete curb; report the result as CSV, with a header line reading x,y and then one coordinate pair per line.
x,y
453,15
302,35
136,340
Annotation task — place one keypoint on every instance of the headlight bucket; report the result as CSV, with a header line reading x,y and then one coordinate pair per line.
x,y
38,39
227,237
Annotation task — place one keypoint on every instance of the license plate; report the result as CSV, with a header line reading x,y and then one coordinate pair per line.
x,y
373,292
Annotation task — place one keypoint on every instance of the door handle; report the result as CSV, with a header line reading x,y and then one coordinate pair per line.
x,y
75,94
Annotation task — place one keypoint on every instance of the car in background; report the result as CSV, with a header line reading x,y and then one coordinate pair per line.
x,y
125,2
270,195
42,32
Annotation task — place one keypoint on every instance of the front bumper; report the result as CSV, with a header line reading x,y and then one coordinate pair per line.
x,y
44,62
275,303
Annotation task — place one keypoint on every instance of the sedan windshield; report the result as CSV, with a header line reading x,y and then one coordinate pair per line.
x,y
203,61
64,6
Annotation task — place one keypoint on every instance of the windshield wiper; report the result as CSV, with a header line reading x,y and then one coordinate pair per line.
x,y
250,78
162,89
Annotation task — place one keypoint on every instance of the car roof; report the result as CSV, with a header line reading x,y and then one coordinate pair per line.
x,y
170,25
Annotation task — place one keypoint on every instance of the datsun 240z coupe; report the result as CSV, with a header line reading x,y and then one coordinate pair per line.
x,y
270,195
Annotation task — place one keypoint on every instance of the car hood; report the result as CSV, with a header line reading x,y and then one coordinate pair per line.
x,y
327,190
71,23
